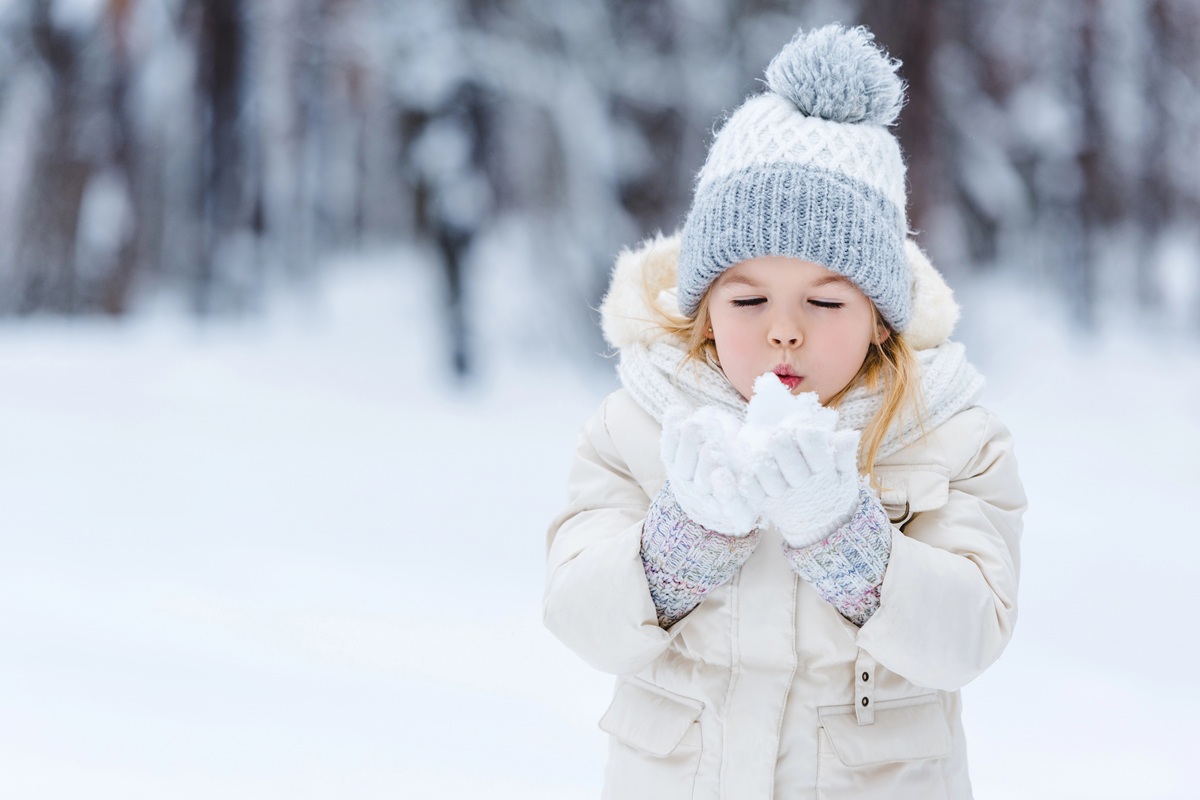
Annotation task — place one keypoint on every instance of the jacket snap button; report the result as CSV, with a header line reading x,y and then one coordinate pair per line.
x,y
866,677
866,700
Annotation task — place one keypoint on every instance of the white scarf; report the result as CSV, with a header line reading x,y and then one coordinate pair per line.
x,y
660,375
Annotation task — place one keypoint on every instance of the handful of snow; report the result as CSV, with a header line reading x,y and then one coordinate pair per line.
x,y
771,405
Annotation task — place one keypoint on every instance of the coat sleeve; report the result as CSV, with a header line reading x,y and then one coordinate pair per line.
x,y
948,602
597,600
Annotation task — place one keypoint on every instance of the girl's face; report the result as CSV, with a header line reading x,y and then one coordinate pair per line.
x,y
809,326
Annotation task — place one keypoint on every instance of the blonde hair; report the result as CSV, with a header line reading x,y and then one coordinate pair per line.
x,y
890,364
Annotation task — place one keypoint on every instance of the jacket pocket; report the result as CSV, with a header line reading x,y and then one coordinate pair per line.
x,y
656,742
907,489
899,755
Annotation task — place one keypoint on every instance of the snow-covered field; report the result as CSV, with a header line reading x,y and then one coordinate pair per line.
x,y
289,558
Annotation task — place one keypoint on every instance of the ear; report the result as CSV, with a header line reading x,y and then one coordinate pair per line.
x,y
703,322
882,331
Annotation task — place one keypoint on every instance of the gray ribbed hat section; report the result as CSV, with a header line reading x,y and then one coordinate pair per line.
x,y
800,211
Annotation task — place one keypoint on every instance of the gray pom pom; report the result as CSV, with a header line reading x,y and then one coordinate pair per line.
x,y
838,74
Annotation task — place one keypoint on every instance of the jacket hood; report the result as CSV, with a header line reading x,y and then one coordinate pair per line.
x,y
627,317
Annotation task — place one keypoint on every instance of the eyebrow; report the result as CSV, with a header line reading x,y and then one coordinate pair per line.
x,y
739,279
828,279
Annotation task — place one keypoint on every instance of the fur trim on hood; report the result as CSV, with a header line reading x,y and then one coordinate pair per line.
x,y
934,310
626,316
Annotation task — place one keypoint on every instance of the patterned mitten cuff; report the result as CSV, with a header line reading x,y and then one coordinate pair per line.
x,y
846,568
684,561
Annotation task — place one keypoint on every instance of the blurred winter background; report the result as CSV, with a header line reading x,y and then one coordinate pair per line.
x,y
296,332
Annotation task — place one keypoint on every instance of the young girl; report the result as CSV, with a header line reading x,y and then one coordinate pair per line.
x,y
792,533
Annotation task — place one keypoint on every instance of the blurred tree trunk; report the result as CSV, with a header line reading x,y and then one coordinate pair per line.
x,y
226,202
1093,199
1170,180
118,283
46,275
911,30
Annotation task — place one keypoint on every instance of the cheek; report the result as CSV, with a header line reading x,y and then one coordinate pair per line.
x,y
855,343
732,340
861,338
736,353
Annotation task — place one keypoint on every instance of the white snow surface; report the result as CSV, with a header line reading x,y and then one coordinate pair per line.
x,y
291,558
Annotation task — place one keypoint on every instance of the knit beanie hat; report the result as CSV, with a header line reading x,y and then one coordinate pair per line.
x,y
808,169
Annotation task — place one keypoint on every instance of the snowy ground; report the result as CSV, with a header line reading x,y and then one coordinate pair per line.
x,y
289,559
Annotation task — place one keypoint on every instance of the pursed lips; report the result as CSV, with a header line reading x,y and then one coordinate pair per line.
x,y
787,376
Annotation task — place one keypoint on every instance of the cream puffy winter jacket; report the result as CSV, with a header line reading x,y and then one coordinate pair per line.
x,y
764,690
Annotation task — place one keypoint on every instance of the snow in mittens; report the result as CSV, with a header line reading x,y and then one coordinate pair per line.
x,y
772,404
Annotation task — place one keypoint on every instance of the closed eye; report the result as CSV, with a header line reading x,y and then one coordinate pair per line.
x,y
826,303
750,301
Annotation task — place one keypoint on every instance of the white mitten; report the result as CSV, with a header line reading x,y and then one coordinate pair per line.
x,y
806,471
699,452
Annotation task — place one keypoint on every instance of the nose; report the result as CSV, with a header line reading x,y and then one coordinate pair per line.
x,y
786,332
